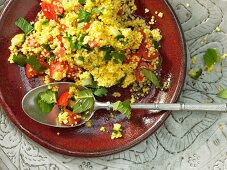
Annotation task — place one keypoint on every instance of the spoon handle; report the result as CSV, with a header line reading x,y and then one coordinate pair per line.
x,y
181,107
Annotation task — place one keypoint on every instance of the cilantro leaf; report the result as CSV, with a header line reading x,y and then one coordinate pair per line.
x,y
123,107
152,77
84,16
100,92
211,57
222,94
24,25
84,101
34,63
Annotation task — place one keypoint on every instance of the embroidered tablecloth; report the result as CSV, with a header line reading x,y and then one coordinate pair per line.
x,y
186,141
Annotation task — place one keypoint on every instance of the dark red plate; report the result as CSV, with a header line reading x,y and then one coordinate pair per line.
x,y
84,141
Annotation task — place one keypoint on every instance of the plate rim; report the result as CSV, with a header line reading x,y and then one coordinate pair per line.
x,y
181,82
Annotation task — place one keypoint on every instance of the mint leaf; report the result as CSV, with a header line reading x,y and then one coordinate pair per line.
x,y
123,107
48,97
24,25
100,92
43,106
34,63
152,77
223,94
84,101
211,57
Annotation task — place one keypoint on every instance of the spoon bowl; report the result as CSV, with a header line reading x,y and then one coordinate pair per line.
x,y
30,106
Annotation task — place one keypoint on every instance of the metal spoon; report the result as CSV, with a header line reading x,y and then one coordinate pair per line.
x,y
51,119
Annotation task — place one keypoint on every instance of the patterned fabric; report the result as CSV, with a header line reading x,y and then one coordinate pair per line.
x,y
187,140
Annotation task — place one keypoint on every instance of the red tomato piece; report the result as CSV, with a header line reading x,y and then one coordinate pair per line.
x,y
58,7
63,27
73,118
60,39
31,73
63,100
60,52
86,26
142,65
72,72
92,44
58,69
48,10
43,62
143,51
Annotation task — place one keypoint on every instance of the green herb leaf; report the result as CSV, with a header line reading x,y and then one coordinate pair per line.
x,y
223,94
118,56
100,92
84,16
46,100
152,77
48,97
123,107
108,50
195,73
82,2
211,57
46,47
119,36
34,63
156,45
84,101
24,25
19,60
96,10
43,106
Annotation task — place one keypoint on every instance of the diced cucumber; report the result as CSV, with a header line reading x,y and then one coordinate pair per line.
x,y
17,40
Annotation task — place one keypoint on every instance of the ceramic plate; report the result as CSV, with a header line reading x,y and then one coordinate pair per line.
x,y
85,141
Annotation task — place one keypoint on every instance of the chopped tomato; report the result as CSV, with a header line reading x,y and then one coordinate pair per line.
x,y
51,38
63,99
63,27
51,9
92,44
143,51
72,72
73,118
31,73
60,39
142,65
48,10
86,26
60,52
58,69
58,9
43,63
